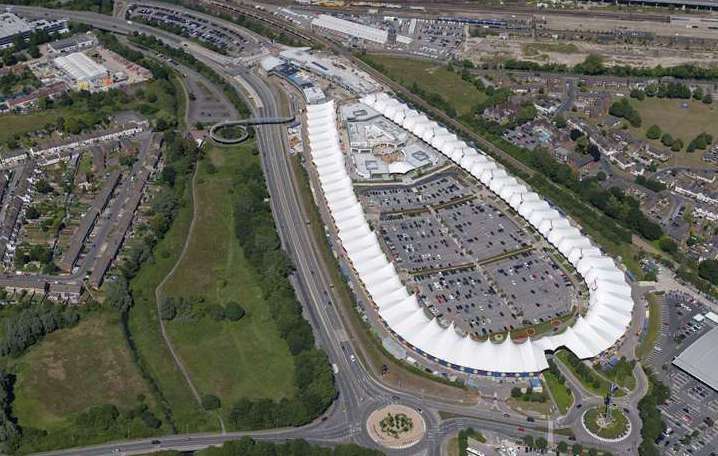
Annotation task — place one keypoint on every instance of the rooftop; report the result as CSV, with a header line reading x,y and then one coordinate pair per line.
x,y
700,359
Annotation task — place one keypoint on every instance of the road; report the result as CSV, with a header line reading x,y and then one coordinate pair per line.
x,y
359,392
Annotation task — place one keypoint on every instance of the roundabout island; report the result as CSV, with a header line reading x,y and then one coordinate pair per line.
x,y
396,426
610,425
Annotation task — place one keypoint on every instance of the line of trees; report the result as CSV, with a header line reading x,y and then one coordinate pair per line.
x,y
593,66
150,42
246,446
651,184
651,418
30,325
255,230
622,108
10,432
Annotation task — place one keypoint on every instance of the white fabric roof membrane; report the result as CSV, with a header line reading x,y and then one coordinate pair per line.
x,y
610,303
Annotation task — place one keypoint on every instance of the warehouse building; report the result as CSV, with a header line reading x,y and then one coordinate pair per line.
x,y
72,44
700,359
356,30
80,67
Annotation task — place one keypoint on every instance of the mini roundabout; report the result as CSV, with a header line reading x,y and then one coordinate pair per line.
x,y
611,426
396,426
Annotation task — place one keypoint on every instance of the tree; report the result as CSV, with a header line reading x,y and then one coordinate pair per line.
x,y
562,447
560,121
32,213
516,392
601,176
707,98
708,269
168,309
233,311
210,402
654,132
576,449
528,441
541,443
698,93
677,145
668,245
667,140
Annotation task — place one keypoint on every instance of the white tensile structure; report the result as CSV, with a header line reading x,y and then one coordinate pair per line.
x,y
611,305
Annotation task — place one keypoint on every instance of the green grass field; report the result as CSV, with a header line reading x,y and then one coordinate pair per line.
x,y
683,123
73,369
561,394
433,78
654,325
145,330
20,124
223,357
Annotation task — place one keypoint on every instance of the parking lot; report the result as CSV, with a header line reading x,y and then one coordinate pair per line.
x,y
418,242
526,289
692,409
437,190
483,229
213,35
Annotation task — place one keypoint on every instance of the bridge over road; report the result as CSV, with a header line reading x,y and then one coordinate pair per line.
x,y
243,124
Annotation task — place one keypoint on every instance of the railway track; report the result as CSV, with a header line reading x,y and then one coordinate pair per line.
x,y
430,9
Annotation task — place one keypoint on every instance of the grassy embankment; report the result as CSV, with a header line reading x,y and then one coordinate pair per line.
x,y
654,326
222,356
462,95
561,393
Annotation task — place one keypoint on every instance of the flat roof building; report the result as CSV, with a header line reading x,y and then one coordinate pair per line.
x,y
11,27
700,359
80,67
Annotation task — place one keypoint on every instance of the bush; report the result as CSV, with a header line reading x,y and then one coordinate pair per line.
x,y
216,312
211,402
668,245
233,311
168,309
667,140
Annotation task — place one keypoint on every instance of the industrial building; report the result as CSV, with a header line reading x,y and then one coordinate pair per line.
x,y
13,27
72,44
700,359
357,30
80,67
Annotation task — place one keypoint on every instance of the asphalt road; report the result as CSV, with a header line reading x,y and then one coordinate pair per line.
x,y
359,392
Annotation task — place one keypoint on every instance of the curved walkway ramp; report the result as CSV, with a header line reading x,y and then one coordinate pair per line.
x,y
244,124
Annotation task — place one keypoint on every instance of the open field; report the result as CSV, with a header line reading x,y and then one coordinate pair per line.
x,y
73,369
561,394
654,325
434,79
681,122
20,124
145,329
223,356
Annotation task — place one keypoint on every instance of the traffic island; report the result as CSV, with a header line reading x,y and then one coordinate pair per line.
x,y
609,426
396,426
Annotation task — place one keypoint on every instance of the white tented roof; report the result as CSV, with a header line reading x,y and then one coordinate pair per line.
x,y
80,67
611,305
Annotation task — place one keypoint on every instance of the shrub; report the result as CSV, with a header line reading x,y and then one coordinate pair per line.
x,y
233,311
210,402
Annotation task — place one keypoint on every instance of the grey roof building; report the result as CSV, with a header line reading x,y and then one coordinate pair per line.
x,y
700,359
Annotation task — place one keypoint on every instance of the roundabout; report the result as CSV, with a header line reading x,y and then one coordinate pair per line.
x,y
613,426
239,128
396,426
